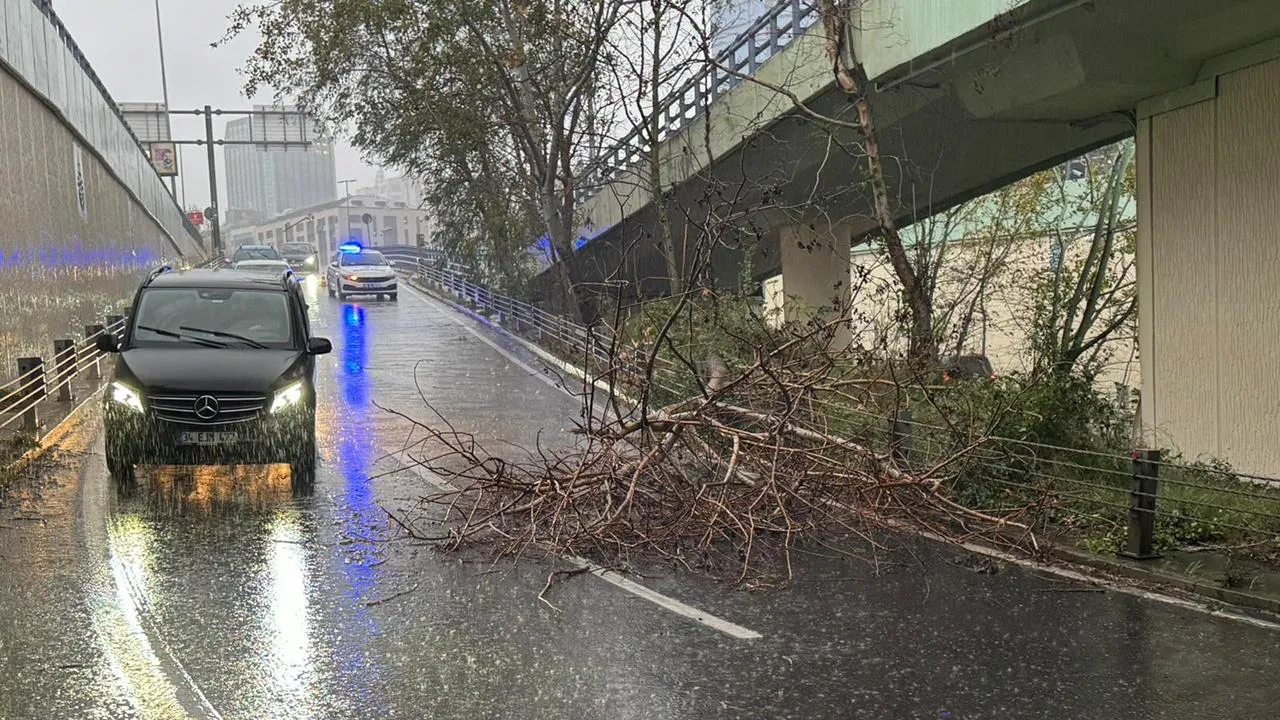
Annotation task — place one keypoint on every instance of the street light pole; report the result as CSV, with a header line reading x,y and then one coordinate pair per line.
x,y
346,210
164,87
214,225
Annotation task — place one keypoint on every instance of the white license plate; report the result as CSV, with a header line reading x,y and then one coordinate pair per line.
x,y
206,437
372,285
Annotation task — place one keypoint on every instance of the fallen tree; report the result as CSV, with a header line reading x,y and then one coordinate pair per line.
x,y
728,478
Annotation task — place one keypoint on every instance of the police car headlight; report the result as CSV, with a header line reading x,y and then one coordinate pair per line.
x,y
124,395
287,397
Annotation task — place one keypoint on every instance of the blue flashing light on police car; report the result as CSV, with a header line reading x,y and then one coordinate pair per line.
x,y
350,247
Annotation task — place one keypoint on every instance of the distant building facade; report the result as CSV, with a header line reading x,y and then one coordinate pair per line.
x,y
394,189
329,224
274,179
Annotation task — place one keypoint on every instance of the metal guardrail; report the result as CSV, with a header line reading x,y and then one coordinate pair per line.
x,y
407,256
776,29
522,316
39,380
610,356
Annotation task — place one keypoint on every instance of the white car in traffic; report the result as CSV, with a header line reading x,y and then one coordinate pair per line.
x,y
356,271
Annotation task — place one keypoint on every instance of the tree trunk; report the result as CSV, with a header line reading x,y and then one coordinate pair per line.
x,y
574,296
1094,276
923,345
543,154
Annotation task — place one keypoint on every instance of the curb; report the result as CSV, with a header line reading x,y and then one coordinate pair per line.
x,y
1184,583
56,433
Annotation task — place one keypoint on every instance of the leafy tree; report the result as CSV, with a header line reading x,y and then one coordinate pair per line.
x,y
495,90
991,251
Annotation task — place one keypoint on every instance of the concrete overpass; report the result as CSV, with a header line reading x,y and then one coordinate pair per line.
x,y
970,96
81,207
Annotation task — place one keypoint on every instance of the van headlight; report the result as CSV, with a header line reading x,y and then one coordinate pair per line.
x,y
124,395
287,397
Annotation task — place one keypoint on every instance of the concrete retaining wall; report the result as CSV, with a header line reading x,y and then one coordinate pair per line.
x,y
82,215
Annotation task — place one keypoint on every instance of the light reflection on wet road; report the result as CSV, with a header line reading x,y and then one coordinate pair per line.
x,y
216,593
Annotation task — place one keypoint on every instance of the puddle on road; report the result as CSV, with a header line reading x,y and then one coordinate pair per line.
x,y
212,492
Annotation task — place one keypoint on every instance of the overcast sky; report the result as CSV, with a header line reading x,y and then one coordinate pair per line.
x,y
119,39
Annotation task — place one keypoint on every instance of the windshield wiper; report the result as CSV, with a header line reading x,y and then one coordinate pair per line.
x,y
180,336
231,336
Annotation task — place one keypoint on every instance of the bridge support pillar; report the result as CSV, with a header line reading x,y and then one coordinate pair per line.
x,y
1207,263
816,277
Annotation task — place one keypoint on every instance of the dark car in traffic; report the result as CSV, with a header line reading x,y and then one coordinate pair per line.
x,y
214,367
300,256
255,252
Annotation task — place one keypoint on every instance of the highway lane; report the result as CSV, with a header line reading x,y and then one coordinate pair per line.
x,y
219,593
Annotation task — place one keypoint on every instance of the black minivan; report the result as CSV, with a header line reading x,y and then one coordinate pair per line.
x,y
214,367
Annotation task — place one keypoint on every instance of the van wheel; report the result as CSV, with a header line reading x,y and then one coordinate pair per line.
x,y
121,471
119,464
302,469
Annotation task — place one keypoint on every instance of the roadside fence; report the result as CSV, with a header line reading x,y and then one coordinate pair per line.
x,y
47,383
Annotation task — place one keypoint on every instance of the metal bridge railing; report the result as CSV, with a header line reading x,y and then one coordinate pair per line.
x,y
776,29
521,316
608,354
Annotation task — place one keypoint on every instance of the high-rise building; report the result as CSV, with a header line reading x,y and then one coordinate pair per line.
x,y
270,179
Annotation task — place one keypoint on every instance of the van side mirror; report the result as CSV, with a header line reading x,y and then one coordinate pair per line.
x,y
107,342
319,346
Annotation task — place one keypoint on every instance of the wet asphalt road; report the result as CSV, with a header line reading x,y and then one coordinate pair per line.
x,y
216,593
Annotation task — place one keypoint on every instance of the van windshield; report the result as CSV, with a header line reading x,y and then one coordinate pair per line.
x,y
213,317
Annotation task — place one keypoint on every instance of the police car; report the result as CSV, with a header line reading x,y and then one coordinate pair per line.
x,y
355,271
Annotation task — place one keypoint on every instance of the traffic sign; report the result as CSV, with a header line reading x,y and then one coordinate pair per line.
x,y
196,217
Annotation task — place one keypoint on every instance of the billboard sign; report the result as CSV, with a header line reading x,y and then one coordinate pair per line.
x,y
274,127
148,121
164,158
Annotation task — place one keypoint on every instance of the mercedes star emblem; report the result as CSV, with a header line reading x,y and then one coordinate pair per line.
x,y
206,407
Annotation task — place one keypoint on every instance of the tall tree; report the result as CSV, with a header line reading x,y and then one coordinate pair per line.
x,y
852,80
426,83
1090,294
